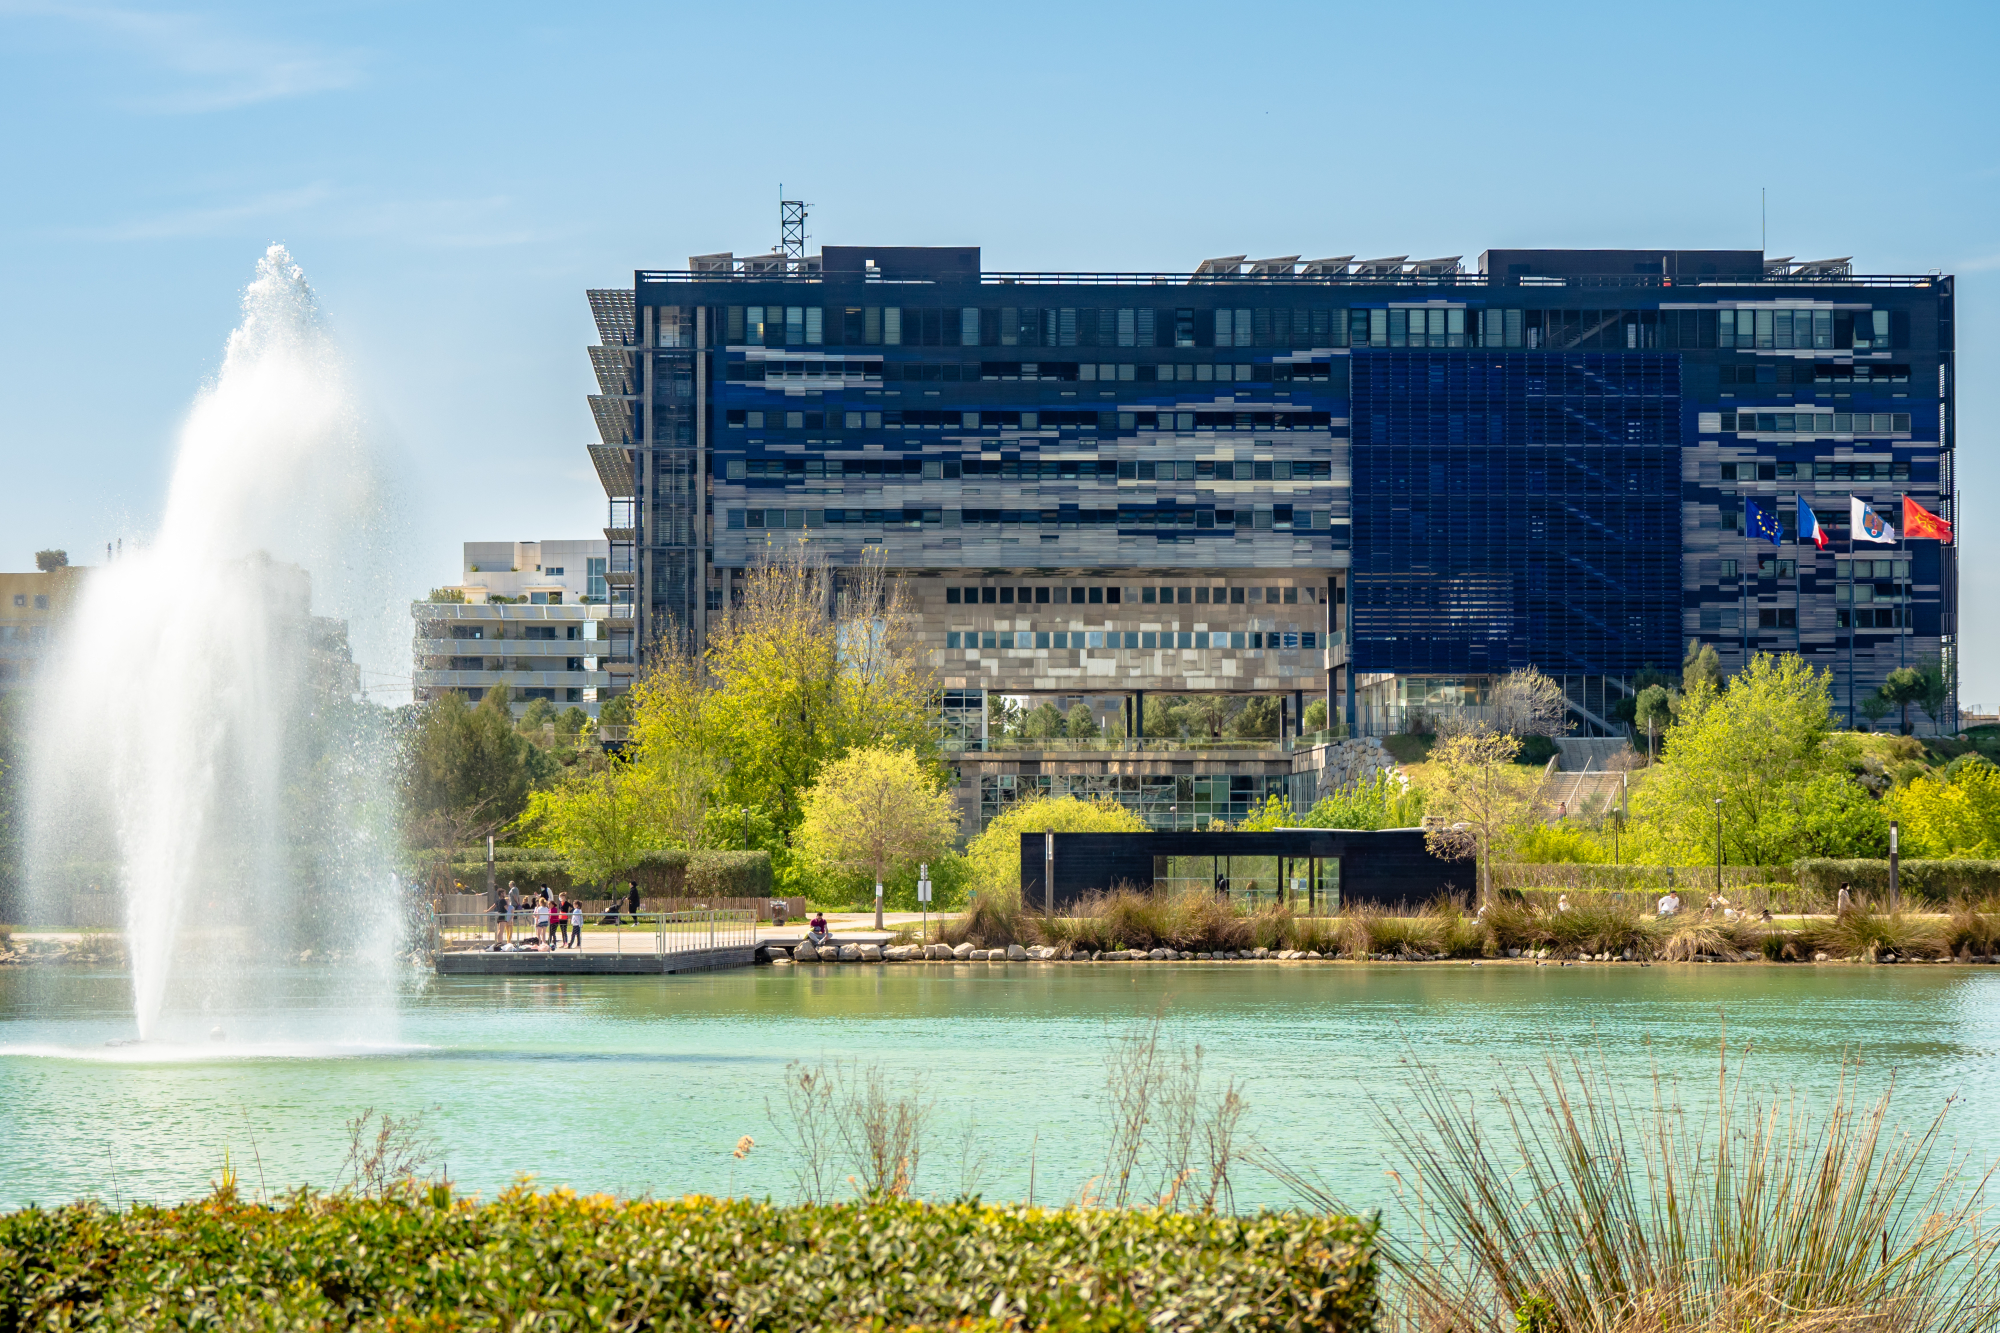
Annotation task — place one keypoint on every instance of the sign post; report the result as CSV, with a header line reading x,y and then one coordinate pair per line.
x,y
1895,895
924,899
1049,872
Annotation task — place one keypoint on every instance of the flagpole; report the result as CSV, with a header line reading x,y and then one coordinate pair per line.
x,y
1850,613
1903,611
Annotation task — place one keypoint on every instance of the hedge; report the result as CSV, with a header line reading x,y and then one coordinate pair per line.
x,y
664,874
426,1260
1939,880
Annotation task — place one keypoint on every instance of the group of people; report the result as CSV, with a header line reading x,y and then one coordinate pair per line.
x,y
558,922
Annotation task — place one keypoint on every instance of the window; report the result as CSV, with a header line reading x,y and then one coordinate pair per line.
x,y
1728,569
1777,569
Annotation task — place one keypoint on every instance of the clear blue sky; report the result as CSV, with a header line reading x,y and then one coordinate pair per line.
x,y
452,177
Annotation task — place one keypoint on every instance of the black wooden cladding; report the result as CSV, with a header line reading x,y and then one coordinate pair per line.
x,y
1385,868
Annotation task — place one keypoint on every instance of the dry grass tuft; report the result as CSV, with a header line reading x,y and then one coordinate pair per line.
x,y
1561,1203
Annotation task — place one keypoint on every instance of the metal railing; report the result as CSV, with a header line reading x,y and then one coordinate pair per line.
x,y
1642,280
1117,745
655,933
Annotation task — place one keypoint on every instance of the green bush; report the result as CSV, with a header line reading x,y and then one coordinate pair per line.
x,y
424,1260
1939,881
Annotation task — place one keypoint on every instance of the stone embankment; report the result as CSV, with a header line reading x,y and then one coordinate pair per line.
x,y
1015,953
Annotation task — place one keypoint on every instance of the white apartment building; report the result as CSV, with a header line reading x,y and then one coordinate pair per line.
x,y
531,620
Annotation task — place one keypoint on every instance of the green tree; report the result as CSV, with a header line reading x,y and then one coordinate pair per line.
x,y
798,687
467,772
1759,744
1653,713
1476,798
572,722
1388,800
538,714
50,561
1316,715
1005,718
603,821
1955,813
617,710
877,809
996,853
1904,686
1043,722
1874,707
1700,666
1937,683
1081,724
1259,716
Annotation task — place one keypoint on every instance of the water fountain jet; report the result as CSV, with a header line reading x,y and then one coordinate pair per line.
x,y
196,743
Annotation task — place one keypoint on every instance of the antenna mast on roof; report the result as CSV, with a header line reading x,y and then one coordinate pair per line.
x,y
791,227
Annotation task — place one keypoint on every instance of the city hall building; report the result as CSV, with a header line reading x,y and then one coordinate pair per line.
x,y
1382,483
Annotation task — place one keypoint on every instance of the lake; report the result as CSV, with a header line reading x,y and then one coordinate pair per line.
x,y
641,1084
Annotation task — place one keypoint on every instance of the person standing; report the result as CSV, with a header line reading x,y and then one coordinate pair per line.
x,y
576,924
513,906
1845,903
542,920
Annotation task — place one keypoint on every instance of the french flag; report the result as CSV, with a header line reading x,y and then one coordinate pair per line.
x,y
1809,528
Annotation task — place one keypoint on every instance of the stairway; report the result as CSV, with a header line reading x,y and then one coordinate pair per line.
x,y
1575,753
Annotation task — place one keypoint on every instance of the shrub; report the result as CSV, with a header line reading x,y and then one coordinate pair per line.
x,y
1938,881
422,1259
1128,918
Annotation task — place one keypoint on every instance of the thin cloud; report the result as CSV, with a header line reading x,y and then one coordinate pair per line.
x,y
222,69
216,220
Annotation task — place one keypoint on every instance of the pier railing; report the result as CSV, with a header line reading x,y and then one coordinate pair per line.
x,y
657,933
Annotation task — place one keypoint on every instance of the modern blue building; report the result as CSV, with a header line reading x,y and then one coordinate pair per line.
x,y
1382,482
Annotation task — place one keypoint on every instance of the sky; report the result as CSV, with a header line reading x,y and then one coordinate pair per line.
x,y
453,177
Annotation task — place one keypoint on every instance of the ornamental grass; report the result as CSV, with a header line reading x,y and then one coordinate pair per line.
x,y
1561,1203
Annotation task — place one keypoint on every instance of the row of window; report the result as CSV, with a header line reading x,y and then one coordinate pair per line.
x,y
1844,568
1428,325
1046,419
1823,372
1800,423
535,633
1264,518
500,664
1026,469
1066,372
1139,639
1149,595
1841,470
1726,618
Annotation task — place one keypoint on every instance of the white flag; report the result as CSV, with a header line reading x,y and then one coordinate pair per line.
x,y
1865,525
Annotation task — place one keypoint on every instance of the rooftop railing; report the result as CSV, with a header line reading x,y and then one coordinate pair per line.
x,y
1411,280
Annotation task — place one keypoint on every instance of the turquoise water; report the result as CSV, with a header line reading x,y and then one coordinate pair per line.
x,y
636,1084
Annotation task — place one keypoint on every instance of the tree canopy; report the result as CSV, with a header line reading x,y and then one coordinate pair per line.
x,y
1763,743
1950,814
996,853
467,771
877,809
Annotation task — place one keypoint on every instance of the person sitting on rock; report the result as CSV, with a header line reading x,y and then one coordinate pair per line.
x,y
1670,903
818,934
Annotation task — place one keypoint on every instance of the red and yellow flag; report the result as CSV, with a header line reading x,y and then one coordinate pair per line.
x,y
1921,523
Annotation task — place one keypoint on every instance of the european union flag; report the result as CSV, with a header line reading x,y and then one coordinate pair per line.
x,y
1761,522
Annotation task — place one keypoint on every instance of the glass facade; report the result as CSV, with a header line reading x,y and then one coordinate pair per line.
x,y
1549,460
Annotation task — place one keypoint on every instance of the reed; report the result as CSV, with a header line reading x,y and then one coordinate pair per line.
x,y
1562,1203
1857,933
